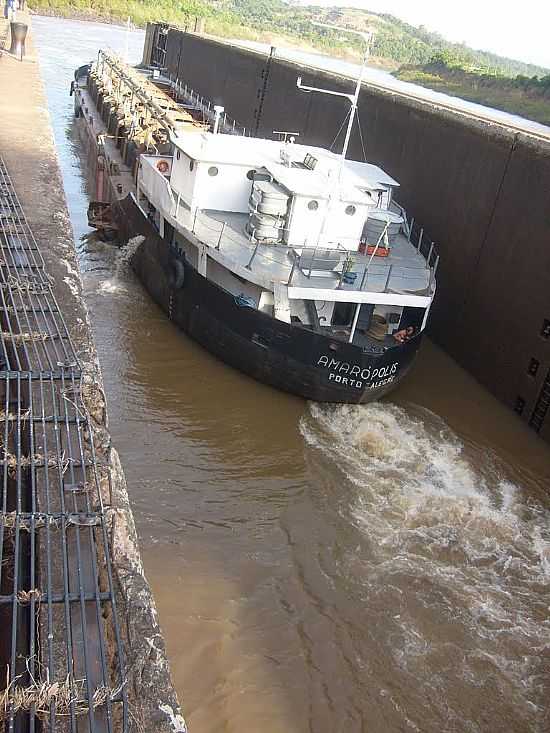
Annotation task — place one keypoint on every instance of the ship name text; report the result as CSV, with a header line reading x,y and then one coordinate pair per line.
x,y
354,375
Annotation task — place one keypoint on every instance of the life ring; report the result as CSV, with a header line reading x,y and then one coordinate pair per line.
x,y
177,274
162,166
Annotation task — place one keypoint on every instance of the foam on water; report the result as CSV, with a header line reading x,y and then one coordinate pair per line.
x,y
450,532
111,287
115,285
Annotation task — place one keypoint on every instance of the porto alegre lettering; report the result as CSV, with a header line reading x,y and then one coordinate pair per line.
x,y
353,375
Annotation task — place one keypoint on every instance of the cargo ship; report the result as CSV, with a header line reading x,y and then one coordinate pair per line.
x,y
290,262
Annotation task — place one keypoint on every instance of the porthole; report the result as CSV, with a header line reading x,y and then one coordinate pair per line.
x,y
178,155
250,175
191,165
212,171
313,205
350,210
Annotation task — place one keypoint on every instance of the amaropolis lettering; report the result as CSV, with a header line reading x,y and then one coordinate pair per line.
x,y
354,375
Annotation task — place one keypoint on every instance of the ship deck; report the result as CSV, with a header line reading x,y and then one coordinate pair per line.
x,y
404,270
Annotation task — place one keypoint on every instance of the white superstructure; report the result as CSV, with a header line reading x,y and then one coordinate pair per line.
x,y
220,172
301,232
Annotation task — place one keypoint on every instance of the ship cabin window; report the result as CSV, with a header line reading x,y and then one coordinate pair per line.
x,y
213,171
350,210
313,205
178,154
191,165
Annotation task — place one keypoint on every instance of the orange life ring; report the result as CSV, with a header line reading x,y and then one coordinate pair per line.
x,y
162,166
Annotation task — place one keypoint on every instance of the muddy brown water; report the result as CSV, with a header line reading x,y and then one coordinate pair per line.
x,y
317,568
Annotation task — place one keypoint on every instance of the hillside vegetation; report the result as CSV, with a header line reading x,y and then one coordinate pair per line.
x,y
414,54
521,95
395,41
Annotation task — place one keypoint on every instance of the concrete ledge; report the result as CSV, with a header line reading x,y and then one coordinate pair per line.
x,y
28,149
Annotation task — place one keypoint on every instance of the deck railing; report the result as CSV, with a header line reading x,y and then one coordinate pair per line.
x,y
370,275
414,232
196,101
418,237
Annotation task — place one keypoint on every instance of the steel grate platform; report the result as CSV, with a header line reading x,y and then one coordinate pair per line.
x,y
62,664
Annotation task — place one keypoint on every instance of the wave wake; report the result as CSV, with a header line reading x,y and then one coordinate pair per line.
x,y
464,549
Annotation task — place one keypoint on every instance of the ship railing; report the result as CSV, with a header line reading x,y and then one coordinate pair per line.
x,y
417,236
371,276
156,185
196,101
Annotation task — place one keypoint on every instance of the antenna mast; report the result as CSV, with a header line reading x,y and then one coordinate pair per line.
x,y
353,98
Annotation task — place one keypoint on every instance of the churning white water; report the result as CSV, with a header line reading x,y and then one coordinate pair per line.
x,y
115,284
465,550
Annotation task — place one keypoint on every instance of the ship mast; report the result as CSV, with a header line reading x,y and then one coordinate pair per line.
x,y
367,37
353,98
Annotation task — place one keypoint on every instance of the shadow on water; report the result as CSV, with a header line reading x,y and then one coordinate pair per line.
x,y
318,568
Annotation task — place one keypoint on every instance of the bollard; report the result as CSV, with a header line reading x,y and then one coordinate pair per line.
x,y
18,35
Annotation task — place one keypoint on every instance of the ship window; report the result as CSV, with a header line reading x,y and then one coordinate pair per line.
x,y
178,155
313,205
520,404
250,175
545,330
212,171
350,210
191,165
533,367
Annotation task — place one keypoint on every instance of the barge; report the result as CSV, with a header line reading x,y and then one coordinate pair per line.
x,y
287,261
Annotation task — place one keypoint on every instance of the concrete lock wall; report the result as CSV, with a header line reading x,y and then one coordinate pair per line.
x,y
481,190
28,150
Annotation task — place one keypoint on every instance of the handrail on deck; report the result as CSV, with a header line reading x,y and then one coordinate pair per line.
x,y
386,270
415,235
230,125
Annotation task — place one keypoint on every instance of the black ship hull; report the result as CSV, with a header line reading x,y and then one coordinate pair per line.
x,y
287,356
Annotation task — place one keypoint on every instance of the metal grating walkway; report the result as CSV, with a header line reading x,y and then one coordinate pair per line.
x,y
61,654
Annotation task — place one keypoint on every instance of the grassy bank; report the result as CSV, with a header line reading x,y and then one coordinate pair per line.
x,y
520,95
394,42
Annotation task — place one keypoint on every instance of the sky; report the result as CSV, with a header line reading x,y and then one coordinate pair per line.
x,y
520,30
